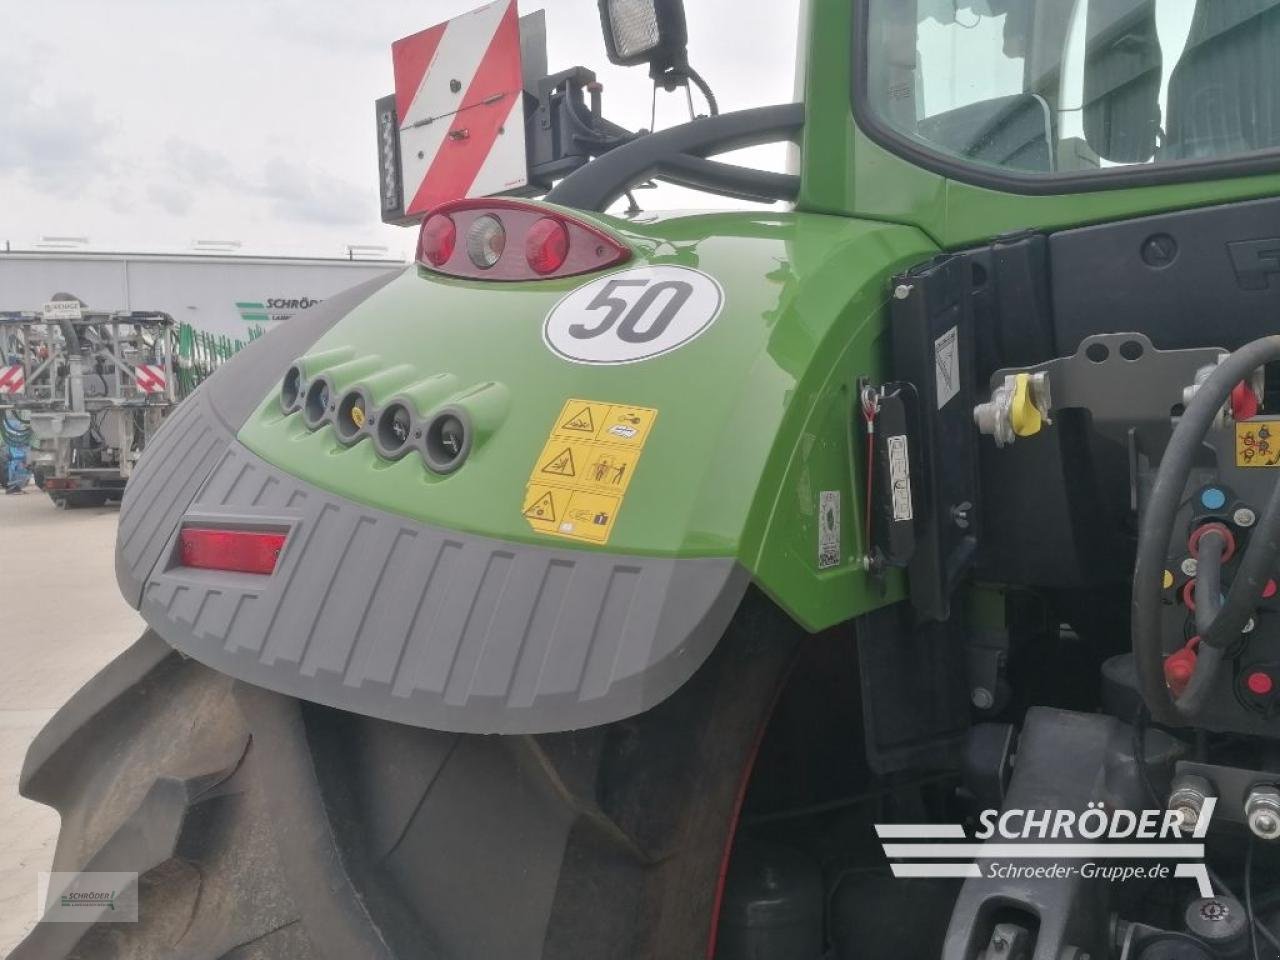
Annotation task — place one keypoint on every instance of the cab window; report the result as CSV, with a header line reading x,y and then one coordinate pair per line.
x,y
1075,86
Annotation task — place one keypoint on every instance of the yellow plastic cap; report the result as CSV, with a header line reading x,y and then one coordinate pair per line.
x,y
1024,416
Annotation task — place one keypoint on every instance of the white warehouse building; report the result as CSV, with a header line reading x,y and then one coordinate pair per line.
x,y
218,293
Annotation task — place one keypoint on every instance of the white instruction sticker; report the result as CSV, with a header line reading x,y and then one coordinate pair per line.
x,y
62,310
946,366
900,476
828,529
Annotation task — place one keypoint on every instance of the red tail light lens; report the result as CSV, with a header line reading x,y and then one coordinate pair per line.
x,y
436,241
513,240
546,245
234,551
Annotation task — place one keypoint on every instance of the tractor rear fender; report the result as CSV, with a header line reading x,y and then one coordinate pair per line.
x,y
583,555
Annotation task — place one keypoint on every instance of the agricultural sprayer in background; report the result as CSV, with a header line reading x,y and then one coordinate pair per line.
x,y
893,575
91,388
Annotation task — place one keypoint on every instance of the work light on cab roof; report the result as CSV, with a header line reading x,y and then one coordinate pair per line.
x,y
496,239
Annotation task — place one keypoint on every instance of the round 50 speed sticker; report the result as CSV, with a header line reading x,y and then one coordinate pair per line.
x,y
633,315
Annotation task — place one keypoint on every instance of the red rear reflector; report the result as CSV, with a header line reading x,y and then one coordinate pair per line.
x,y
236,551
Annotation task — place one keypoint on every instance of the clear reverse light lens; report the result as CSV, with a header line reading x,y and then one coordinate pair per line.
x,y
486,239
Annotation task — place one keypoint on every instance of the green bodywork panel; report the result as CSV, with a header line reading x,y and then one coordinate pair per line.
x,y
845,172
755,416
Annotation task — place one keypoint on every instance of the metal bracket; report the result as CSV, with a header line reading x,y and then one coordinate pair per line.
x,y
1231,786
1122,380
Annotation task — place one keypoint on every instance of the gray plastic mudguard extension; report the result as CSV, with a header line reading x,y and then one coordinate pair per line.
x,y
378,614
381,615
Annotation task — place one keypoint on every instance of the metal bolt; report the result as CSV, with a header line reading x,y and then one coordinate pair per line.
x,y
902,291
1262,812
982,698
1189,566
1248,626
960,514
1159,250
1244,517
1187,799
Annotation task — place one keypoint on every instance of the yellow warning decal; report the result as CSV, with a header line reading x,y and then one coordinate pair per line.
x,y
576,514
606,468
541,508
1258,443
577,484
605,422
559,464
581,422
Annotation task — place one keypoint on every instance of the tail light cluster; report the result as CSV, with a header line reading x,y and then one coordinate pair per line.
x,y
493,239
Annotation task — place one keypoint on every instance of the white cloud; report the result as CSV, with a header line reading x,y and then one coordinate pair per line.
x,y
51,143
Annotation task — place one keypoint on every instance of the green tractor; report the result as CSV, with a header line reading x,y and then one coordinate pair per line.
x,y
892,575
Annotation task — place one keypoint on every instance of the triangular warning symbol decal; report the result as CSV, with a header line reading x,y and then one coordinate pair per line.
x,y
561,465
544,508
581,422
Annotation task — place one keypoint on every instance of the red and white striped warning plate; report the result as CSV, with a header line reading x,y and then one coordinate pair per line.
x,y
149,377
460,105
12,379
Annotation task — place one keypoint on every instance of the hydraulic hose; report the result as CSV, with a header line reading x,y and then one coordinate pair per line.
x,y
1208,593
71,336
1208,596
1251,576
1157,530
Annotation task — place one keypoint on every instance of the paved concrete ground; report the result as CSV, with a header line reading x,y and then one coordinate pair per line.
x,y
62,620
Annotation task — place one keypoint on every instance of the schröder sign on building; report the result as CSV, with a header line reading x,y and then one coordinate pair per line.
x,y
220,294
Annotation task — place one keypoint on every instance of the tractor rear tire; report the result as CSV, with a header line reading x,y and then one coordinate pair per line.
x,y
268,828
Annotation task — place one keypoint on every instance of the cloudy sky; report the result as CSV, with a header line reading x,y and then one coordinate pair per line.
x,y
150,124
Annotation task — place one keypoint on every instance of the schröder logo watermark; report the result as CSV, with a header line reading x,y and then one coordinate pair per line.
x,y
1063,843
87,897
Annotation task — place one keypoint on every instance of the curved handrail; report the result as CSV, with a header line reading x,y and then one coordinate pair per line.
x,y
679,154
